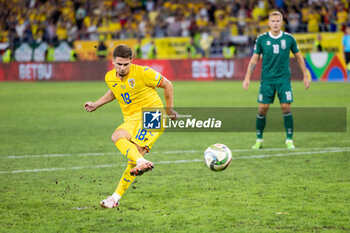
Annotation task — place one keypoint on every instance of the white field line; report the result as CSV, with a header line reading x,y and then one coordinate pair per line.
x,y
81,208
181,161
158,152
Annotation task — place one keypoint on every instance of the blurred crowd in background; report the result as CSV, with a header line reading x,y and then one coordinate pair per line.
x,y
66,20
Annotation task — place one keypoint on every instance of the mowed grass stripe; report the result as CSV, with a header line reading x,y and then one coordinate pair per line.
x,y
180,161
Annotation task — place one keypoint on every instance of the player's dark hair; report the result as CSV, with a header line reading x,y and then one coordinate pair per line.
x,y
122,51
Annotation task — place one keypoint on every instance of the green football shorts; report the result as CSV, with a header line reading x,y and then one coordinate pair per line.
x,y
267,93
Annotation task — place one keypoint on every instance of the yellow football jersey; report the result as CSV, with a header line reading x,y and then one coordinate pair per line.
x,y
136,91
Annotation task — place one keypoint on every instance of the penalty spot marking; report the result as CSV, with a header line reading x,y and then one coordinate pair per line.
x,y
179,161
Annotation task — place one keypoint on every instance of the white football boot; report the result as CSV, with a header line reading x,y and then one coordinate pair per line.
x,y
142,166
110,202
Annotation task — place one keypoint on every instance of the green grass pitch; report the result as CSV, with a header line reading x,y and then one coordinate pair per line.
x,y
57,162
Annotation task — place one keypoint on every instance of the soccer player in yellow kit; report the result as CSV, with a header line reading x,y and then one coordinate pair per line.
x,y
134,87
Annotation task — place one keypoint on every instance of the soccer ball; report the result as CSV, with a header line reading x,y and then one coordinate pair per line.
x,y
217,157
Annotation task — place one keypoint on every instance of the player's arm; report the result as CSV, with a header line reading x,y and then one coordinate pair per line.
x,y
106,98
251,66
301,63
169,96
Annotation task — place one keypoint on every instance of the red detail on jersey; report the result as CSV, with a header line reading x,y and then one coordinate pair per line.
x,y
161,80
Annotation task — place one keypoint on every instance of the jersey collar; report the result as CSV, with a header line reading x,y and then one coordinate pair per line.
x,y
275,37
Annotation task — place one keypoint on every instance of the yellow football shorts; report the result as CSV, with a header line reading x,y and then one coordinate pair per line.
x,y
140,136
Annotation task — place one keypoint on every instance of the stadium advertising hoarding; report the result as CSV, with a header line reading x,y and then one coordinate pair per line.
x,y
201,70
53,71
323,66
196,69
184,69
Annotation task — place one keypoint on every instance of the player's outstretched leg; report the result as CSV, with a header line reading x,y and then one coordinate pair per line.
x,y
110,202
142,166
125,180
124,183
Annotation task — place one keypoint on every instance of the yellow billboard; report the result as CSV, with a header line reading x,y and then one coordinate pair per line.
x,y
86,49
330,42
172,47
167,48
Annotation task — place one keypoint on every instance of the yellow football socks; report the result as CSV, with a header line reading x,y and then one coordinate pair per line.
x,y
128,149
126,179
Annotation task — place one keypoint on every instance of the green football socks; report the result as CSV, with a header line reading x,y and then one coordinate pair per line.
x,y
260,125
288,124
